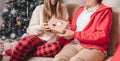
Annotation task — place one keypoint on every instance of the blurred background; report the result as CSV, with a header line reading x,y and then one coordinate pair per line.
x,y
14,17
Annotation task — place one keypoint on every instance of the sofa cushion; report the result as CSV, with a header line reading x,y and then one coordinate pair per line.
x,y
115,31
117,54
108,58
6,58
40,59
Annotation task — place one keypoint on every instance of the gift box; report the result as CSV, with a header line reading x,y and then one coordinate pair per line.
x,y
58,25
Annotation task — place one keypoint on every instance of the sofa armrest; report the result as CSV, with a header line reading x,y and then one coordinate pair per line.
x,y
108,58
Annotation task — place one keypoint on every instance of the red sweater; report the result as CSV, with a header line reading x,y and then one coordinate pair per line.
x,y
96,33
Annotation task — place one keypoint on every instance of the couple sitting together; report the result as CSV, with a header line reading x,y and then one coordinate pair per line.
x,y
86,39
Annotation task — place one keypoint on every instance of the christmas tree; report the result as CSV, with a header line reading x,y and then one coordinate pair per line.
x,y
17,17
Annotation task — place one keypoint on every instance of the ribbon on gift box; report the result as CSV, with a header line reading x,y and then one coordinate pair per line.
x,y
58,25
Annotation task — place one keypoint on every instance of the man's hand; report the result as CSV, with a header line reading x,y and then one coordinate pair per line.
x,y
68,34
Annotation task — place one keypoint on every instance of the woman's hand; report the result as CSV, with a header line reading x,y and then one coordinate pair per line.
x,y
68,34
40,32
46,27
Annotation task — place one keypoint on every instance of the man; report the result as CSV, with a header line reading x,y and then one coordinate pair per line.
x,y
90,29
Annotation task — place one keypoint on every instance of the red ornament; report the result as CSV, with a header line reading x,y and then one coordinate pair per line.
x,y
11,1
17,18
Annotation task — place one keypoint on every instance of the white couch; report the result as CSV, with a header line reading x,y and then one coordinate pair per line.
x,y
72,5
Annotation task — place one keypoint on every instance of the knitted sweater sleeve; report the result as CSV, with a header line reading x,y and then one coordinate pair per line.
x,y
34,24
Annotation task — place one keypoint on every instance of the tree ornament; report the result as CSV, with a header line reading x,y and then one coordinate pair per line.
x,y
3,26
11,1
18,23
23,13
3,37
5,10
13,11
13,35
17,18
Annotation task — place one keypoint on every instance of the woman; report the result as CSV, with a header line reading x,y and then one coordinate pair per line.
x,y
42,41
90,29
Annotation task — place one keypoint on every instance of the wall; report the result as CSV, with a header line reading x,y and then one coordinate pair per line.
x,y
73,1
112,3
1,9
